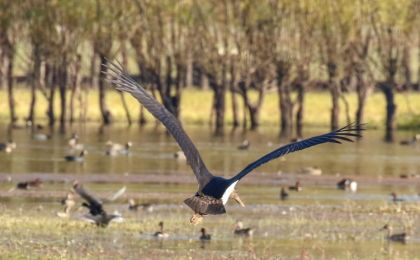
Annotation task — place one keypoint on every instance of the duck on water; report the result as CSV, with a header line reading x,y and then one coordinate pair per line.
x,y
213,191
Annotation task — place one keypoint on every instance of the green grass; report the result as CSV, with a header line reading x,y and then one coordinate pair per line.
x,y
196,105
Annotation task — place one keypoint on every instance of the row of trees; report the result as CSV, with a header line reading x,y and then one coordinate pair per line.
x,y
235,46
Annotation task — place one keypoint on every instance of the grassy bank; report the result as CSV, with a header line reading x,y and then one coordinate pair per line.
x,y
196,104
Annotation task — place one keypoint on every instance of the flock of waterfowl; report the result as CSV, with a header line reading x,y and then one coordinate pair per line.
x,y
213,191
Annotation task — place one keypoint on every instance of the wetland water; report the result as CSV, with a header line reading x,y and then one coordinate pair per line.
x,y
319,222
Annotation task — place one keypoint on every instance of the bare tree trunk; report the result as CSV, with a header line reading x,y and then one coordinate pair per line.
x,y
335,95
62,83
285,101
51,81
300,102
35,82
9,75
362,92
388,90
106,114
124,102
233,93
219,103
75,86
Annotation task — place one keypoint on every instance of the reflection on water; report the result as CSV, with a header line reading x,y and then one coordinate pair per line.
x,y
153,150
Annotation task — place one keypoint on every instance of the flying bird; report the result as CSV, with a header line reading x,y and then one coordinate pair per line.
x,y
96,211
213,191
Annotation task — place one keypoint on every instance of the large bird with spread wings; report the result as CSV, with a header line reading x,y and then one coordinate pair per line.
x,y
213,191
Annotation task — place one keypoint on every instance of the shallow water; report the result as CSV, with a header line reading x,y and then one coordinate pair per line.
x,y
320,222
153,150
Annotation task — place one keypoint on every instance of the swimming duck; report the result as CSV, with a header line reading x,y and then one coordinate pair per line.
x,y
68,203
241,231
402,237
26,185
347,184
296,187
395,197
41,137
213,191
244,145
114,149
97,214
161,233
8,147
204,236
283,194
76,158
74,142
412,141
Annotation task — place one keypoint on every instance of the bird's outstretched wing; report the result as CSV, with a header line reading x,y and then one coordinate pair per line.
x,y
337,136
94,204
123,82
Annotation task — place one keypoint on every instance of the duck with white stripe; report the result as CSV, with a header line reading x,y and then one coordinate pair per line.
x,y
213,191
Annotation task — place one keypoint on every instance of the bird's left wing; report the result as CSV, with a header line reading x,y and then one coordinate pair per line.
x,y
124,82
342,134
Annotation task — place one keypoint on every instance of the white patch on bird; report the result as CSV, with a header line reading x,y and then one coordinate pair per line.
x,y
227,193
353,186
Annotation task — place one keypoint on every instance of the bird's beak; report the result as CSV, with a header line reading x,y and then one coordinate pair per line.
x,y
235,196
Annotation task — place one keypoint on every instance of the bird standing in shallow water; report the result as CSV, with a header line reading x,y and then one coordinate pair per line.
x,y
68,203
395,197
402,237
204,236
241,231
347,184
26,185
296,187
161,233
213,191
283,194
244,145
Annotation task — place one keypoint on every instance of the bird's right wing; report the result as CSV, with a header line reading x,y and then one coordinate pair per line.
x,y
123,82
92,200
337,136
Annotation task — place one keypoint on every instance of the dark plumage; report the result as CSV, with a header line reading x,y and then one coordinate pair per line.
x,y
296,187
161,233
347,184
96,211
283,194
29,184
395,197
76,158
204,236
214,191
401,237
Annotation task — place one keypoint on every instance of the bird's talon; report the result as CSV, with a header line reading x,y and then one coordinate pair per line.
x,y
196,218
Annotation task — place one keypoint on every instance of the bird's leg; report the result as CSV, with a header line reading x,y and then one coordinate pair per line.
x,y
196,218
234,195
